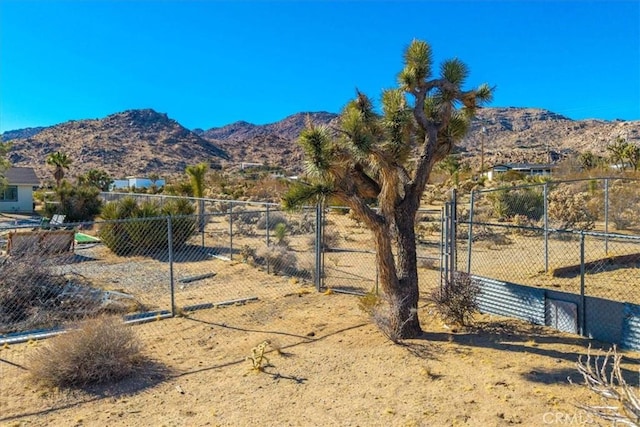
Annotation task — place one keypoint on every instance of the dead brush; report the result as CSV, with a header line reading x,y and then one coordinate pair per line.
x,y
456,301
603,376
101,350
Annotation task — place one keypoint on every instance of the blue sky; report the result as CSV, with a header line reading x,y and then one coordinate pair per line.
x,y
211,63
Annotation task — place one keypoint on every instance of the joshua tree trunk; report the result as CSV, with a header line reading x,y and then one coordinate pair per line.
x,y
398,276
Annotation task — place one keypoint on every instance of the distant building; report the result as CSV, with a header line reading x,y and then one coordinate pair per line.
x,y
530,169
17,195
135,182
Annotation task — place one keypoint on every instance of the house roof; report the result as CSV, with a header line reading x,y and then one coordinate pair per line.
x,y
26,176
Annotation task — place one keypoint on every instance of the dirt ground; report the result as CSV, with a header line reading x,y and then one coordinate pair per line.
x,y
328,366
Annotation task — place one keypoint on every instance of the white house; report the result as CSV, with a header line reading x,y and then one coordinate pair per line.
x,y
135,182
17,195
530,169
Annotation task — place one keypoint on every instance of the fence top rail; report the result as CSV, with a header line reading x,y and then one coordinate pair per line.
x,y
109,194
554,230
542,184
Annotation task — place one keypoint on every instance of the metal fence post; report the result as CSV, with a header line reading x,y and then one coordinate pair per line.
x,y
318,248
582,290
266,220
201,218
545,195
606,216
470,232
230,230
170,256
454,225
443,245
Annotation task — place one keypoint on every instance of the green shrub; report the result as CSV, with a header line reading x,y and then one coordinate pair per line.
x,y
528,202
135,229
77,203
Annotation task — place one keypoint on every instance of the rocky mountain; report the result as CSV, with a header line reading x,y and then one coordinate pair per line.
x,y
21,133
511,135
134,142
537,135
139,142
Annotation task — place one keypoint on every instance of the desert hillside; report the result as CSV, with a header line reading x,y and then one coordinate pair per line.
x,y
139,142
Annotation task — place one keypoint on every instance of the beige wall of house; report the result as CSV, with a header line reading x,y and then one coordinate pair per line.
x,y
23,204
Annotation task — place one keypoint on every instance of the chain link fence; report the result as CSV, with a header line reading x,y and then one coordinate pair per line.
x,y
234,265
577,241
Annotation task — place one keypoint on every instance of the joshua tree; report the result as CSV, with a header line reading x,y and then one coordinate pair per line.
x,y
197,174
385,160
60,161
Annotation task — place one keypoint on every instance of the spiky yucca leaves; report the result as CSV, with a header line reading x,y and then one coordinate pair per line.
x,y
368,159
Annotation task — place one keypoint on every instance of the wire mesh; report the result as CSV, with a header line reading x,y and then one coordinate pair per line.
x,y
531,235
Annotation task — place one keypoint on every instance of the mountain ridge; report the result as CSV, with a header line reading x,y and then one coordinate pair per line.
x,y
143,141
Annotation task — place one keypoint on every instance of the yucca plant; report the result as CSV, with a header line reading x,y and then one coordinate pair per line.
x,y
384,159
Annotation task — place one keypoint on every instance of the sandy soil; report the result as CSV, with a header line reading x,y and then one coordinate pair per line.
x,y
328,366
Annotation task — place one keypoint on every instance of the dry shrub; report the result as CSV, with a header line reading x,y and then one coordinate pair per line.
x,y
379,308
603,376
102,350
569,209
280,259
456,301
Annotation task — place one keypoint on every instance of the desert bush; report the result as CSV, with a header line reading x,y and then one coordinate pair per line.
x,y
247,254
381,315
510,176
280,259
624,203
102,350
570,210
134,228
519,201
77,203
457,299
603,376
27,289
330,239
280,234
33,295
275,218
242,216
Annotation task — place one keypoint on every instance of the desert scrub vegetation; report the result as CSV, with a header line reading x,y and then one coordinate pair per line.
x,y
280,259
526,201
145,229
101,350
603,376
33,295
569,209
78,203
456,300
